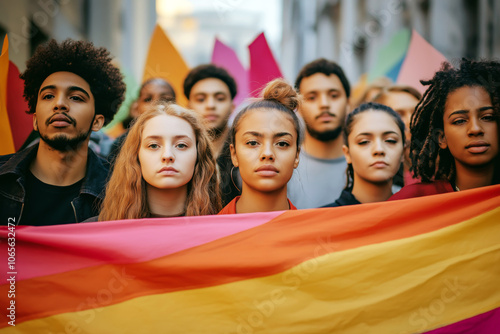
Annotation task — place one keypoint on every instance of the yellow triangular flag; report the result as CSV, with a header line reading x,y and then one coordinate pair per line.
x,y
165,61
6,140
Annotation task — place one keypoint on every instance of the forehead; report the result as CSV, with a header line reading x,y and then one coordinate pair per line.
x,y
209,86
466,98
266,121
398,99
167,126
156,88
375,122
320,82
64,80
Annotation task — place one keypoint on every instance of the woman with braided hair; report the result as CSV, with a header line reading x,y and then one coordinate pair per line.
x,y
454,130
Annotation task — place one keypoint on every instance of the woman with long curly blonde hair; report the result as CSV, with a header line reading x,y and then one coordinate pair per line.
x,y
165,168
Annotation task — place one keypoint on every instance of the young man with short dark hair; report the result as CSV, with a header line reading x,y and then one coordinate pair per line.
x,y
320,176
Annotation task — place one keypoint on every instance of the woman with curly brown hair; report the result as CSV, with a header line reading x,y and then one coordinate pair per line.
x,y
165,168
454,130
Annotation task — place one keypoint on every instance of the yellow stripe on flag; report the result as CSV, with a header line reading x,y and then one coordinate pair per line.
x,y
403,286
165,61
6,140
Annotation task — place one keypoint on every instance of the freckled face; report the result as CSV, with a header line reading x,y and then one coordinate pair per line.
x,y
168,152
265,150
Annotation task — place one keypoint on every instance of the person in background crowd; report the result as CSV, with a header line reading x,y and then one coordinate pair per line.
x,y
210,91
72,89
320,177
403,100
165,168
454,130
374,137
151,91
265,143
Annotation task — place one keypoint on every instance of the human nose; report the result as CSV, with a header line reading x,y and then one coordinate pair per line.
x,y
168,155
210,102
323,101
267,152
475,127
60,102
378,147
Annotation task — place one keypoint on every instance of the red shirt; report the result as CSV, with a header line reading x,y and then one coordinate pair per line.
x,y
230,208
423,189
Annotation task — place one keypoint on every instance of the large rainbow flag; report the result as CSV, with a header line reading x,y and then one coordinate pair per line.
x,y
430,264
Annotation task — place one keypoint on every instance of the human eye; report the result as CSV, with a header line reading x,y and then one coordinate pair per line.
x,y
153,146
252,143
363,142
148,99
47,96
310,98
334,95
77,98
458,121
283,143
391,141
488,118
181,146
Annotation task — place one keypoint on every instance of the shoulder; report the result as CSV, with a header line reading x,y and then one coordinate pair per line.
x,y
423,189
230,208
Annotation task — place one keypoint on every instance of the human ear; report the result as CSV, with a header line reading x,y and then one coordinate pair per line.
x,y
98,122
345,150
443,144
297,159
234,158
35,124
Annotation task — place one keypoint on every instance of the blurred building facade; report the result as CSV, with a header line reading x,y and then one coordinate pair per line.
x,y
124,27
351,32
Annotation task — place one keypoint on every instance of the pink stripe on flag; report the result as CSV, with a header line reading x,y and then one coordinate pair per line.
x,y
485,323
263,66
138,243
225,57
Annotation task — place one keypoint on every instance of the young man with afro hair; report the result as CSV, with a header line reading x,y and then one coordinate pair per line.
x,y
72,88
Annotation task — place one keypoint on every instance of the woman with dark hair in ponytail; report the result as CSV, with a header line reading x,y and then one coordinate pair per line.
x,y
374,137
265,143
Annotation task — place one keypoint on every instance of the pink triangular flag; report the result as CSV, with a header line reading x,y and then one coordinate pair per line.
x,y
421,63
225,57
20,121
263,66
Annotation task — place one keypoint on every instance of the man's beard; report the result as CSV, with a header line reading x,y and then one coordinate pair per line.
x,y
325,136
62,143
215,133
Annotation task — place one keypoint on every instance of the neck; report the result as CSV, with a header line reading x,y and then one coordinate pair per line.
x,y
60,168
166,202
323,150
367,192
252,200
218,142
470,178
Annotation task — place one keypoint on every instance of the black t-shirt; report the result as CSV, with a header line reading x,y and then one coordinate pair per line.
x,y
46,204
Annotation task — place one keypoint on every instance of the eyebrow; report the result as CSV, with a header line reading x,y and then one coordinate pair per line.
x,y
371,134
315,91
260,135
161,137
460,112
70,88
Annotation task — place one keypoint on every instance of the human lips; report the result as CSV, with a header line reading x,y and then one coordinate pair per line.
x,y
478,146
325,117
267,170
211,117
169,170
60,120
379,164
